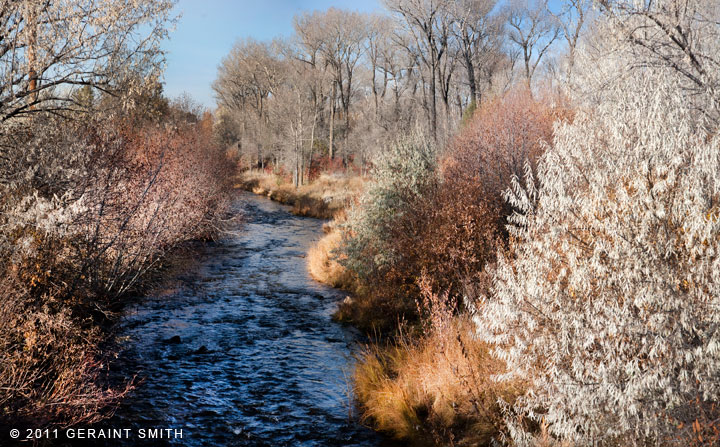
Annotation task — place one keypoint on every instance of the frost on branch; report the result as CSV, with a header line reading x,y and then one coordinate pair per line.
x,y
610,309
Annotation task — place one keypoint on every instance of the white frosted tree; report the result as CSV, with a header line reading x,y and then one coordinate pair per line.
x,y
609,308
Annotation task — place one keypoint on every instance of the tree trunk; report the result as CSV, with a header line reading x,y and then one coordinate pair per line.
x,y
471,78
32,42
296,177
433,103
332,119
374,90
347,125
312,142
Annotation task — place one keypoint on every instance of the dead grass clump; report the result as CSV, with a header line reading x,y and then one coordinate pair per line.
x,y
437,390
323,265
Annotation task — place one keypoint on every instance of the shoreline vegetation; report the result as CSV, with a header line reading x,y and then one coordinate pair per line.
x,y
102,179
425,378
131,205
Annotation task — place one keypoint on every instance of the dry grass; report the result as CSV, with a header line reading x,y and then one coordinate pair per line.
x,y
322,261
437,390
367,310
324,198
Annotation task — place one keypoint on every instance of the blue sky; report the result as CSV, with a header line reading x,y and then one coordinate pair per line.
x,y
208,29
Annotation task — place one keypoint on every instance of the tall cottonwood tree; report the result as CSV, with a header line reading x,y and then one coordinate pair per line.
x,y
532,29
317,76
247,77
341,35
572,18
425,21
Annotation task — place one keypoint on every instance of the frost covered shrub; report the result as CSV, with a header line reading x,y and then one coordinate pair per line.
x,y
610,308
445,222
681,36
401,175
388,219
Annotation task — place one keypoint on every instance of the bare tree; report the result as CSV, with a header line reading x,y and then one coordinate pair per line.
x,y
378,43
533,30
307,49
342,37
571,19
476,32
367,78
294,115
425,22
246,79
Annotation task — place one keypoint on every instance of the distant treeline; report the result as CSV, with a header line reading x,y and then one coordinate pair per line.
x,y
347,83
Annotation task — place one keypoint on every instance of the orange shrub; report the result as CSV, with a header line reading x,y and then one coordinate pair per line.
x,y
469,211
459,225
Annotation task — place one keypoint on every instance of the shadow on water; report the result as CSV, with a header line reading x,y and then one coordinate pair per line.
x,y
243,352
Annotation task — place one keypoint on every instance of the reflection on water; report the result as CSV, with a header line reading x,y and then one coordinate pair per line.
x,y
243,352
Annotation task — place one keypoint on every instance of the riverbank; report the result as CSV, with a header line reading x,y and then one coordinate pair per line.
x,y
416,245
323,198
426,381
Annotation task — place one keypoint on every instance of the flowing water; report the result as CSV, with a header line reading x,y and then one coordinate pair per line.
x,y
243,352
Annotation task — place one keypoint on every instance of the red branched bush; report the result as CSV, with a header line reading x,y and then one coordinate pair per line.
x,y
505,133
460,224
470,212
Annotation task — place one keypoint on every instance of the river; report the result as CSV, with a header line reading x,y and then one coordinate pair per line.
x,y
243,351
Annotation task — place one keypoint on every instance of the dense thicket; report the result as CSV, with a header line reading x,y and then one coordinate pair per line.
x,y
441,218
607,306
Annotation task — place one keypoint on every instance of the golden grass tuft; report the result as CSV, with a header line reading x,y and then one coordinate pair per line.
x,y
323,265
437,390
